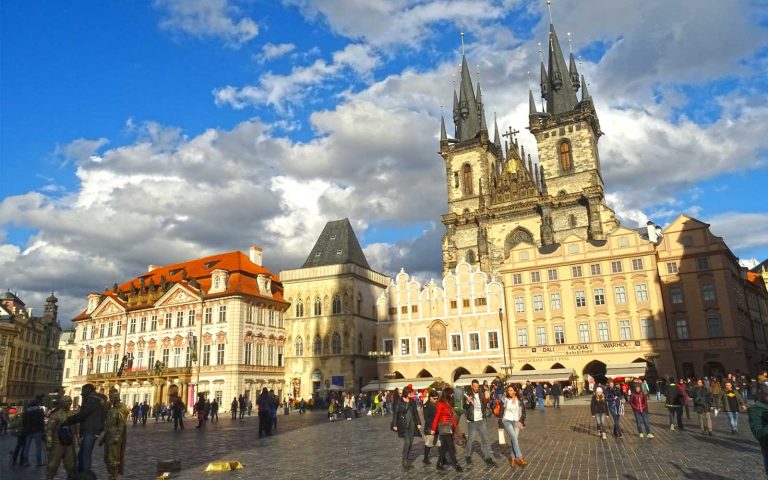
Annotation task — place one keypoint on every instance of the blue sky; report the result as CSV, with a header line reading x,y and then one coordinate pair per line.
x,y
144,132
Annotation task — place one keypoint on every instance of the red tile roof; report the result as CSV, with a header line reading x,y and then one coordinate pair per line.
x,y
242,279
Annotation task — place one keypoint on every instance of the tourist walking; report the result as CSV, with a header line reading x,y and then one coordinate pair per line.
x,y
430,436
557,391
265,416
703,403
599,409
33,424
513,420
406,422
91,419
614,396
731,403
540,395
638,400
233,408
446,424
475,409
177,411
16,428
199,410
674,403
758,423
242,405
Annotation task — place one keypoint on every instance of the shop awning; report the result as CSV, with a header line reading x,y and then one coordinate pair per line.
x,y
625,370
391,384
466,379
549,375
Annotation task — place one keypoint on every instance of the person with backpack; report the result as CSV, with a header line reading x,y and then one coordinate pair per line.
x,y
59,440
16,429
33,425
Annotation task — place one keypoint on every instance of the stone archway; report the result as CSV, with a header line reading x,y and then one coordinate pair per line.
x,y
527,366
597,370
458,373
490,369
424,373
518,235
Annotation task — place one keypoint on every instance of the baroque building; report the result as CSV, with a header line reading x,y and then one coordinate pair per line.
x,y
497,197
331,326
213,325
29,357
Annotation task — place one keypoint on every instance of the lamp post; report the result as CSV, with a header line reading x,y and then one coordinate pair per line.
x,y
505,366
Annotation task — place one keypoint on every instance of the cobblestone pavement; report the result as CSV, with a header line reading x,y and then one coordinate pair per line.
x,y
558,444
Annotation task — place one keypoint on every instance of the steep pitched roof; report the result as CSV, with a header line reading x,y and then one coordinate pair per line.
x,y
10,296
336,245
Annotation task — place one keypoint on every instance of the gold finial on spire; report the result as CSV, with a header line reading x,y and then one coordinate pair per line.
x,y
462,44
549,7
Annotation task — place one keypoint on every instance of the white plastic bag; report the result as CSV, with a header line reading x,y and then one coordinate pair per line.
x,y
502,437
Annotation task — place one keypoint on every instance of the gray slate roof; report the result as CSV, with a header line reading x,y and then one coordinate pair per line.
x,y
336,245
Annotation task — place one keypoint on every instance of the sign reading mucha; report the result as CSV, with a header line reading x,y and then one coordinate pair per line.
x,y
438,339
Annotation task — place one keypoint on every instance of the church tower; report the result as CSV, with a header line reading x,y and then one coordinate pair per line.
x,y
497,196
567,130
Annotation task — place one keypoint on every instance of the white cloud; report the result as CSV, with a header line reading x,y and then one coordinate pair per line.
x,y
280,90
79,150
271,51
742,231
207,18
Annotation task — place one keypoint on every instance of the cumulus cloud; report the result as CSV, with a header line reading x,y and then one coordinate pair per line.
x,y
271,51
741,230
281,90
79,150
207,18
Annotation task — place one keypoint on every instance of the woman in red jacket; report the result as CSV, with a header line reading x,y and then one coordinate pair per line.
x,y
639,402
445,424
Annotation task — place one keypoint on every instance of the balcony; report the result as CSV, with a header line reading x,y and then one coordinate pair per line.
x,y
144,374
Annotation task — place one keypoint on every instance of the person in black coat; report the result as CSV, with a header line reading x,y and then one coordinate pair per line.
x,y
91,418
674,404
406,422
429,416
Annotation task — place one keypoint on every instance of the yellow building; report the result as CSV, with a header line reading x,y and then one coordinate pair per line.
x,y
331,326
441,330
591,307
29,357
213,325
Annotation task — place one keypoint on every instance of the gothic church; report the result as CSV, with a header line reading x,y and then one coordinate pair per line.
x,y
497,197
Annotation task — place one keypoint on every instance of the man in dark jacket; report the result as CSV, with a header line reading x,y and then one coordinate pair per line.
x,y
91,419
33,426
557,391
475,408
405,421
703,403
674,404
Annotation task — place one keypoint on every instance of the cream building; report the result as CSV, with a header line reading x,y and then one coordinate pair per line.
x,y
591,307
442,331
332,321
29,358
213,325
68,351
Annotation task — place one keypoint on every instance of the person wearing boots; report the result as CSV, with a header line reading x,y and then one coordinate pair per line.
x,y
405,421
446,424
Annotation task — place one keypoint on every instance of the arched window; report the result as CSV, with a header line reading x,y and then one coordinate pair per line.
x,y
566,162
572,220
326,344
467,175
336,304
336,344
471,256
318,307
299,309
317,346
299,347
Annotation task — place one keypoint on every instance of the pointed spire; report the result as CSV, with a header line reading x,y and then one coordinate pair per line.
x,y
584,91
562,95
574,74
531,104
496,136
469,112
443,134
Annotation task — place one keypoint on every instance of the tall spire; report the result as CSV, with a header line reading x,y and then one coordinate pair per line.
x,y
469,112
443,134
496,136
584,92
562,95
456,113
531,104
573,72
481,108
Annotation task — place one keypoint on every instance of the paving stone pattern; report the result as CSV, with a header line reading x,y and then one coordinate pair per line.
x,y
558,444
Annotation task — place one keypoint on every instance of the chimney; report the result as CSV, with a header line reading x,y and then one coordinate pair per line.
x,y
151,267
255,254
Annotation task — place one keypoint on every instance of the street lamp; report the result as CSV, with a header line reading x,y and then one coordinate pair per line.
x,y
505,366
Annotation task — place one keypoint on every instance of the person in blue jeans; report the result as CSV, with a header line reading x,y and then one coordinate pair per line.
x,y
540,396
731,402
33,425
91,419
614,396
